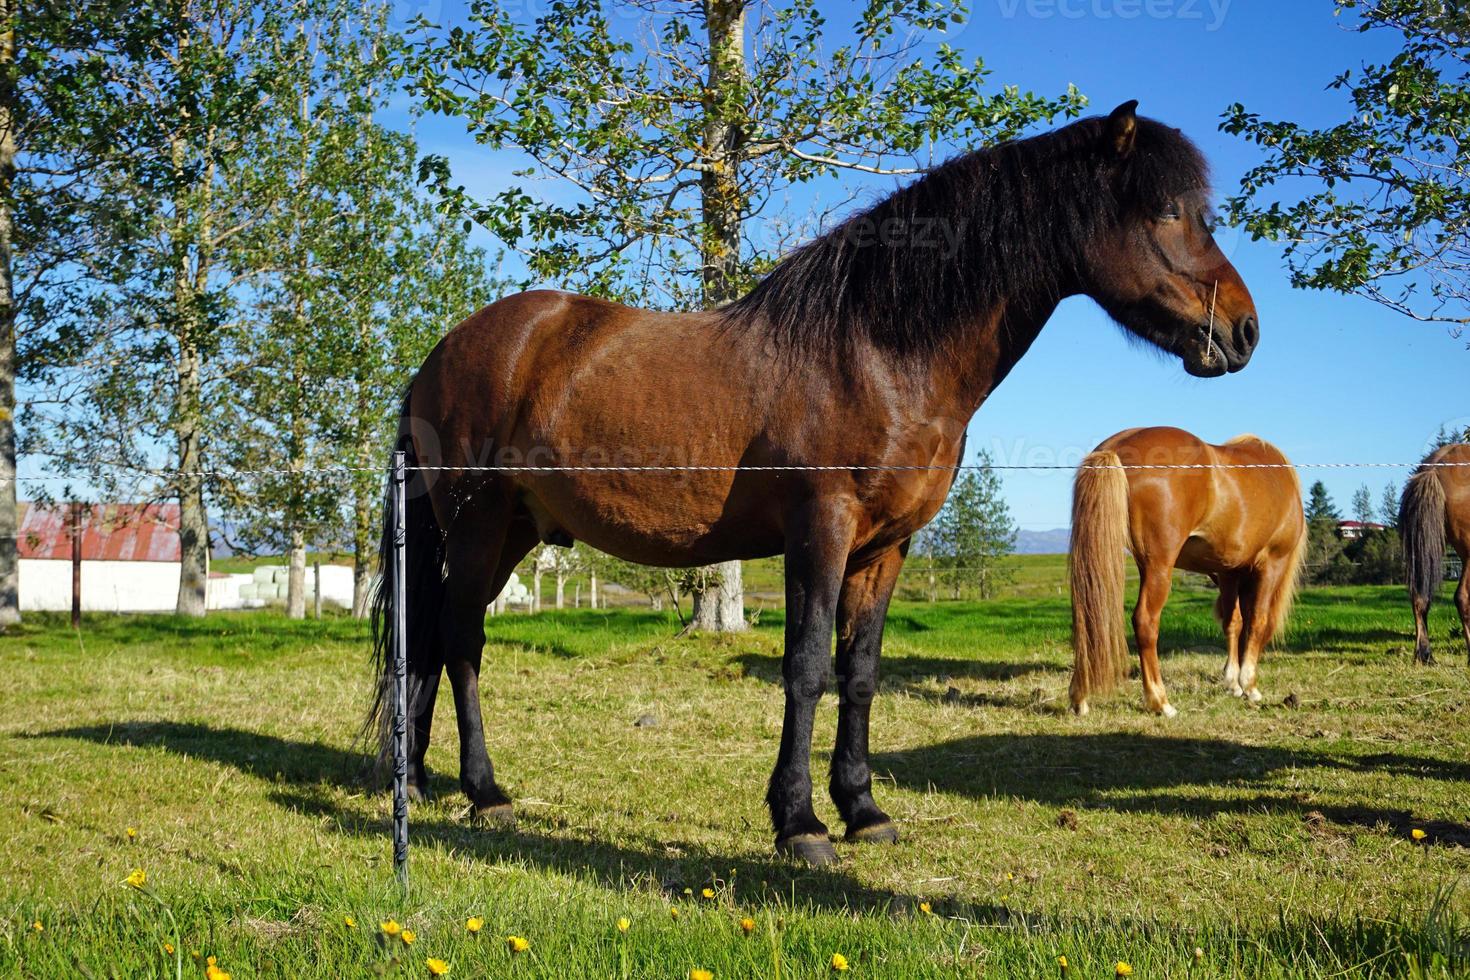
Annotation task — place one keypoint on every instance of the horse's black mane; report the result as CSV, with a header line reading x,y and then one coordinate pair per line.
x,y
1021,215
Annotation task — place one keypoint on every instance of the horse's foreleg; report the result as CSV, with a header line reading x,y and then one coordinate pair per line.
x,y
1227,611
861,610
1153,592
816,554
479,564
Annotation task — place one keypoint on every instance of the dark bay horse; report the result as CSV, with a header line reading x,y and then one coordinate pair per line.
x,y
871,346
1242,527
1433,514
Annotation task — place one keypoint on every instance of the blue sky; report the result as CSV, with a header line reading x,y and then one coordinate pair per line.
x,y
1335,379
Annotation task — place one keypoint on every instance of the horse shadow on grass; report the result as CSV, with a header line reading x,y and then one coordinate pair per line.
x,y
300,770
1140,773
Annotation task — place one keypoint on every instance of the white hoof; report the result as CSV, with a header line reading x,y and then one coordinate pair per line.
x,y
1080,709
1169,711
1236,690
1254,695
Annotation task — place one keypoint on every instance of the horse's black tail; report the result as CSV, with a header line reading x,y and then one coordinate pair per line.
x,y
423,594
1421,525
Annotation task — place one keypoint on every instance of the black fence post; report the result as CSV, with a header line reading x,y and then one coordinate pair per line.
x,y
400,673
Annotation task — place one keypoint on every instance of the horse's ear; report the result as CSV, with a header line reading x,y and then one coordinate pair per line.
x,y
1122,127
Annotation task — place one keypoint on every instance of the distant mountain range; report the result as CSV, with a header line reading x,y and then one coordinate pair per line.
x,y
1053,542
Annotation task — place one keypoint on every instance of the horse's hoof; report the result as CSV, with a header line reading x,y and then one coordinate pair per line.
x,y
419,794
1168,710
1236,691
813,849
1255,696
1080,708
500,816
879,833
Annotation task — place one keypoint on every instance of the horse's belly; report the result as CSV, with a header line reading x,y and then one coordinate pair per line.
x,y
677,519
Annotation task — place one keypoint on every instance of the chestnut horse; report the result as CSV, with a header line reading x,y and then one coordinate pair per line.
x,y
1435,512
1242,527
867,349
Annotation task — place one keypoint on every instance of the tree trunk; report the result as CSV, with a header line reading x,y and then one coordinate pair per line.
x,y
561,589
193,517
9,506
592,588
722,609
536,588
296,577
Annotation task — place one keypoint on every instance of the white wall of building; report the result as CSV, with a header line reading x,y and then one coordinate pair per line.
x,y
107,586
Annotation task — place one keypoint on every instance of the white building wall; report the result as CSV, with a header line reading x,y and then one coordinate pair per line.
x,y
107,586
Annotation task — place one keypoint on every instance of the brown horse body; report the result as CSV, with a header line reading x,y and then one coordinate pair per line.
x,y
1434,514
1241,526
851,353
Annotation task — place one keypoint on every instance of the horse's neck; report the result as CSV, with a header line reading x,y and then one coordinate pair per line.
x,y
966,369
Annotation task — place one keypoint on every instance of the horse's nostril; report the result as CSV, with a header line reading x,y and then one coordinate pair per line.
x,y
1249,332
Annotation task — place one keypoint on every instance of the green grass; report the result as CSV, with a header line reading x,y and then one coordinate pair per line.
x,y
1275,839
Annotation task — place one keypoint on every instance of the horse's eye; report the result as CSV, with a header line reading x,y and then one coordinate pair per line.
x,y
1169,213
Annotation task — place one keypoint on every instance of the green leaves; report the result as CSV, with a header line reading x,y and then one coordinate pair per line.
x,y
659,161
1379,204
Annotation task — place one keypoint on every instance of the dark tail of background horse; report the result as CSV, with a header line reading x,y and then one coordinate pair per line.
x,y
423,593
1421,525
1096,565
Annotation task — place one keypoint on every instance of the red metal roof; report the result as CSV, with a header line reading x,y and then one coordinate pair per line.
x,y
110,532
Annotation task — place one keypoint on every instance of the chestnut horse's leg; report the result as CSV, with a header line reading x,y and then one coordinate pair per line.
x,y
1153,592
1227,611
816,554
861,610
1259,594
1462,602
481,554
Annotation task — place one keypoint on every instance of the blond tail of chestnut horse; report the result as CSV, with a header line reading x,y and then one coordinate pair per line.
x,y
1096,566
1422,526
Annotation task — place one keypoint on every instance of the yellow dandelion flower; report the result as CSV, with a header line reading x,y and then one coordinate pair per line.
x,y
698,974
407,936
747,925
194,953
624,925
168,948
211,961
37,927
673,912
474,924
1121,969
1062,962
516,944
390,928
926,908
436,967
136,878
839,962
132,833
708,893
349,922
212,972
1417,834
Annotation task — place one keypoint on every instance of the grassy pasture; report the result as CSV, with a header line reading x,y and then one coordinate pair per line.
x,y
1276,839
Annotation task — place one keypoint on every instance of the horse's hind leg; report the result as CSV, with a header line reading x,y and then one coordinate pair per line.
x,y
482,551
861,610
1227,611
1260,594
1462,602
1153,592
